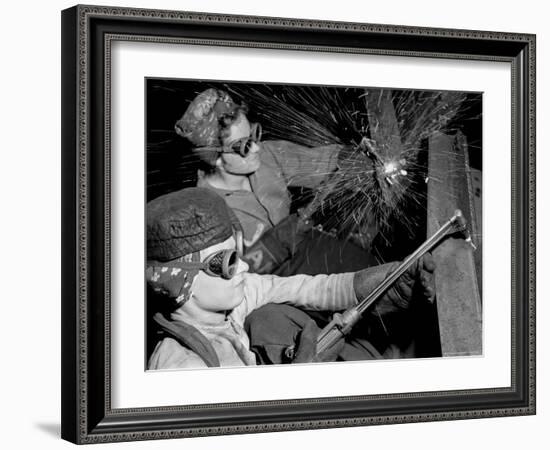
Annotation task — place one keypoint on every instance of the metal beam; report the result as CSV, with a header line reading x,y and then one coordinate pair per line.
x,y
457,287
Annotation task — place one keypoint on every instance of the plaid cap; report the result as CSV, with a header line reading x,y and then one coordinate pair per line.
x,y
186,221
201,122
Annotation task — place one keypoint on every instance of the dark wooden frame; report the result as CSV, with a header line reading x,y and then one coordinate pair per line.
x,y
87,32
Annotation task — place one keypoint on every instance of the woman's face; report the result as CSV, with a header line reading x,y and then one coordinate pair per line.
x,y
216,294
233,162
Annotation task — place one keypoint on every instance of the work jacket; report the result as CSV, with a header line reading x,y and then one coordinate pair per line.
x,y
283,164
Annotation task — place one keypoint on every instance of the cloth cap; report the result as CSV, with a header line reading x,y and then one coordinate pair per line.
x,y
186,221
202,122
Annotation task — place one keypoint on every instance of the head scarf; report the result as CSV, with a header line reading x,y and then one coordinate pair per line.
x,y
203,121
173,282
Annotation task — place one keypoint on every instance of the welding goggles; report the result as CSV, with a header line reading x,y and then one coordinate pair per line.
x,y
222,264
243,146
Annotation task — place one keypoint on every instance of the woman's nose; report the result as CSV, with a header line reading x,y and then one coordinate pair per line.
x,y
254,147
242,266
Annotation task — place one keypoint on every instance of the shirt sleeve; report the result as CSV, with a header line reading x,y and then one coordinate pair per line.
x,y
304,166
320,292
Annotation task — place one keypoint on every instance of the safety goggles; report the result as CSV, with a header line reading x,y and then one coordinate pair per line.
x,y
243,146
222,263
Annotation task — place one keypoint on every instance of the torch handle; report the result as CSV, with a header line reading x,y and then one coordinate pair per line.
x,y
339,326
336,329
328,339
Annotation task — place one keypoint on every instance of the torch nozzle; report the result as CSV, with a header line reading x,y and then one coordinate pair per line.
x,y
461,224
459,219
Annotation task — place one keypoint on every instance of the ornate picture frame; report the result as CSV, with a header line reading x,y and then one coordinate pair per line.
x,y
88,34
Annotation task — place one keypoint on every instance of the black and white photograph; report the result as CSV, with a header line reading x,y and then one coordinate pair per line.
x,y
292,224
275,225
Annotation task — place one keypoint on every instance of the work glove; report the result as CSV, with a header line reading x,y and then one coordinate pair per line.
x,y
417,281
306,346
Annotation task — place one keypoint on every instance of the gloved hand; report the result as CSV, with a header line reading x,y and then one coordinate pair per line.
x,y
307,344
419,278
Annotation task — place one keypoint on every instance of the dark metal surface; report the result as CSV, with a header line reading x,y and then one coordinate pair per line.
x,y
87,416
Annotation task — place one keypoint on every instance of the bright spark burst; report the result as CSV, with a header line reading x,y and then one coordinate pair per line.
x,y
377,181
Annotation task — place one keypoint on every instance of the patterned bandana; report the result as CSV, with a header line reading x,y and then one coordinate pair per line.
x,y
201,122
172,282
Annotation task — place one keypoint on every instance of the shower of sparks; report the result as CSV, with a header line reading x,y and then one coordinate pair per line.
x,y
304,116
376,182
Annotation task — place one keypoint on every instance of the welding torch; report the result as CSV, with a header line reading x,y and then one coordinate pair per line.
x,y
342,324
